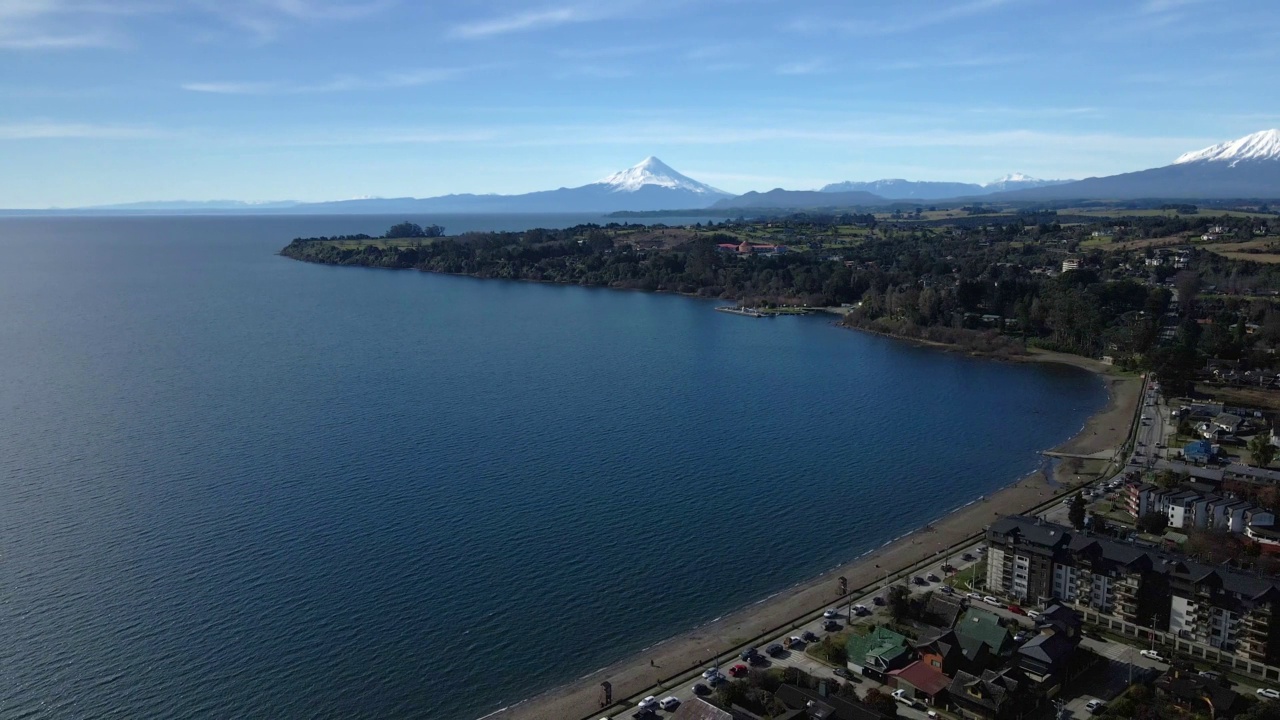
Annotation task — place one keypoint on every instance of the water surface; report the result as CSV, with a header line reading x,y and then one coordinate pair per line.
x,y
236,485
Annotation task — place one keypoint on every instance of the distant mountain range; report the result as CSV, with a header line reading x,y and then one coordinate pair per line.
x,y
925,190
1247,168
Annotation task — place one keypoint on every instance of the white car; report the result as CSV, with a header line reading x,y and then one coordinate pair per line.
x,y
901,696
710,673
649,703
1269,694
831,614
669,703
992,600
861,610
1033,614
1095,706
973,596
1152,654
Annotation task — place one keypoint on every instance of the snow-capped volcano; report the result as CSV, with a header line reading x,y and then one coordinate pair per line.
x,y
1016,177
652,171
1264,145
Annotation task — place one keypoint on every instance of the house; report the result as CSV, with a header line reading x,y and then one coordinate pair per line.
x,y
818,705
1228,423
943,610
1196,693
1062,620
947,653
1043,659
990,697
878,652
1201,451
921,681
979,626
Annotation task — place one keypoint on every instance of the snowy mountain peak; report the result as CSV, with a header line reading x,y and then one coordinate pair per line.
x,y
1263,145
652,171
1016,177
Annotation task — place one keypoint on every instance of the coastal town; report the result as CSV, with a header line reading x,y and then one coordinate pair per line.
x,y
1086,606
1136,578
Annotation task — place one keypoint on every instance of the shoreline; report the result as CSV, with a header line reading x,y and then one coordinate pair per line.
x,y
673,660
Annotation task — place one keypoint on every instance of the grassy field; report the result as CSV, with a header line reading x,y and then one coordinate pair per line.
x,y
1261,398
963,580
1119,212
1262,250
1108,246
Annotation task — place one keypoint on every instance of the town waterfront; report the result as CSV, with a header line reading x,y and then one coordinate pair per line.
x,y
238,485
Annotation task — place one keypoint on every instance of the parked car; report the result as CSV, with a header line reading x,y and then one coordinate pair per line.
x,y
845,673
919,580
1095,706
901,696
648,703
1152,654
1269,694
775,649
1021,636
946,590
749,653
792,641
1017,610
931,577
1210,674
669,703
1033,614
710,673
968,557
861,610
947,568
831,614
974,595
701,689
992,600
830,626
757,659
738,670
809,636
878,600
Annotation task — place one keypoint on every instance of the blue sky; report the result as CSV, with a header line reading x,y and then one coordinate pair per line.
x,y
105,101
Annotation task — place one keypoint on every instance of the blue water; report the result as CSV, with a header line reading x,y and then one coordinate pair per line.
x,y
236,485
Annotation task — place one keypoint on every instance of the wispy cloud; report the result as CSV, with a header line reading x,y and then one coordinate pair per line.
x,y
339,83
922,17
72,24
806,67
56,130
967,61
522,22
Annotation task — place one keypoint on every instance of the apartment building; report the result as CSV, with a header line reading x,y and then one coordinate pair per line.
x,y
1038,562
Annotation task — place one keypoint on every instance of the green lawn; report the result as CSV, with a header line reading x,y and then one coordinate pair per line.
x,y
963,580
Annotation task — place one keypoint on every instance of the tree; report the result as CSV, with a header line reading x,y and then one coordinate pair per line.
x,y
1261,450
882,703
1098,524
1167,479
899,603
1153,523
1075,511
406,230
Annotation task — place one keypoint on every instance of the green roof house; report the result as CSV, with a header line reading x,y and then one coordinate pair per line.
x,y
878,652
976,627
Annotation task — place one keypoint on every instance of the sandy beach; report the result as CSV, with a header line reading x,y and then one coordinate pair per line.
x,y
674,660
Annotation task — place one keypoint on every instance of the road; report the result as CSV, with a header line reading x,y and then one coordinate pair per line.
x,y
799,659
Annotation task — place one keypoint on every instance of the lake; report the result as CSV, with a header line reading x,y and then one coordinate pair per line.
x,y
236,485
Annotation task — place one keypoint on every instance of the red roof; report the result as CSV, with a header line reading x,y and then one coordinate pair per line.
x,y
923,677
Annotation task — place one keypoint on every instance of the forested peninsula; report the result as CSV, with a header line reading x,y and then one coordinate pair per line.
x,y
989,282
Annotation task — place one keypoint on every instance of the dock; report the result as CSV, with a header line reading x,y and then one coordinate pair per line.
x,y
747,312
